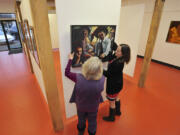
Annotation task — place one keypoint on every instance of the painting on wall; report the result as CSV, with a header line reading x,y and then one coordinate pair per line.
x,y
34,45
31,41
27,35
91,40
174,32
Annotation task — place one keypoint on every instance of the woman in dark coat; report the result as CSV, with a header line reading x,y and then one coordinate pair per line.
x,y
114,75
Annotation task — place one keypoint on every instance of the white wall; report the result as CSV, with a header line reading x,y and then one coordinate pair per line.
x,y
81,12
53,29
26,11
7,6
163,51
129,31
26,14
38,74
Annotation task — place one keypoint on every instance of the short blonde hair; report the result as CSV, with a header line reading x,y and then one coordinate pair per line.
x,y
92,69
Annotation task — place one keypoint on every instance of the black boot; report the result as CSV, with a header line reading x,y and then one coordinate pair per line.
x,y
81,130
111,115
81,133
91,133
118,105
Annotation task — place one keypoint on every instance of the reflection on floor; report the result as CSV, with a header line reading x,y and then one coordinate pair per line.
x,y
3,47
153,110
14,45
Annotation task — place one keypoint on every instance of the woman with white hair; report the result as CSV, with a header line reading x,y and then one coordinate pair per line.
x,y
87,92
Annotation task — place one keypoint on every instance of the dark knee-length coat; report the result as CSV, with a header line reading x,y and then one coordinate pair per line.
x,y
114,74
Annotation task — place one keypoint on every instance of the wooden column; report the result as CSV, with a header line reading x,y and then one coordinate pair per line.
x,y
151,40
41,26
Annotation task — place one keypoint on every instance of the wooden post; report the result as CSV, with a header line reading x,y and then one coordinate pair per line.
x,y
41,27
151,40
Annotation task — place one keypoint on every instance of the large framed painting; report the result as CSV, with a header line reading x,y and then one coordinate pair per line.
x,y
91,40
174,32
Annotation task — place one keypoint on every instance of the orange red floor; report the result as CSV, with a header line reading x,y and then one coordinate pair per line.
x,y
153,110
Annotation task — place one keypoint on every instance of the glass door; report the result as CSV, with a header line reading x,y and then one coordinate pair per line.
x,y
3,41
12,33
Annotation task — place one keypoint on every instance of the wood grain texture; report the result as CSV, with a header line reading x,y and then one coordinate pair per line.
x,y
151,40
41,27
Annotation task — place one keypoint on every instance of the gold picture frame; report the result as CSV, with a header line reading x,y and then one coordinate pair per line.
x,y
34,45
31,41
174,32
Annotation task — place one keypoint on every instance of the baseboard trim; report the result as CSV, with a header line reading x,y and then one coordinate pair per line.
x,y
55,49
160,62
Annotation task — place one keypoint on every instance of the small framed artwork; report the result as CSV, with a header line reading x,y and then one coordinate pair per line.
x,y
34,45
31,41
174,32
27,36
91,40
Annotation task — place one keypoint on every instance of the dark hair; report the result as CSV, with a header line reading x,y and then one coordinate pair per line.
x,y
103,29
114,46
126,52
78,47
174,24
82,32
86,28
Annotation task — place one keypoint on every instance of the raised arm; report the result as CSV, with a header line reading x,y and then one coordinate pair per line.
x,y
68,73
109,57
113,71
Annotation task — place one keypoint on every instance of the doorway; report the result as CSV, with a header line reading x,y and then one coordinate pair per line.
x,y
9,36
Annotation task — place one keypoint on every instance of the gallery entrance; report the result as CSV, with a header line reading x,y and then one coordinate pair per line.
x,y
9,36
